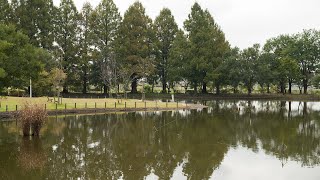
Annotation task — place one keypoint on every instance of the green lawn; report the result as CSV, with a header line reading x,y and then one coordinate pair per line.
x,y
13,103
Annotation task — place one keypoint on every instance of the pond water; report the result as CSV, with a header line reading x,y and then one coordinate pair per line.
x,y
229,140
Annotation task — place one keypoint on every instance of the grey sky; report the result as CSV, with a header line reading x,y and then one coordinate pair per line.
x,y
244,22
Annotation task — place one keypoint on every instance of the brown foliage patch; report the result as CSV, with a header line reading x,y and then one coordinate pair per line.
x,y
32,117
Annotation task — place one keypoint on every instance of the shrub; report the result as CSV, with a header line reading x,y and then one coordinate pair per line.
x,y
147,88
32,117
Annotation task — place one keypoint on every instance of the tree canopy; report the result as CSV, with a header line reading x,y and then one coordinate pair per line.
x,y
98,49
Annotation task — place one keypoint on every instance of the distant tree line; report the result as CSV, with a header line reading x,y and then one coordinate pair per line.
x,y
98,47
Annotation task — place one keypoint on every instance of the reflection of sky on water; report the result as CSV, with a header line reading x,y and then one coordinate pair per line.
x,y
229,140
241,163
296,107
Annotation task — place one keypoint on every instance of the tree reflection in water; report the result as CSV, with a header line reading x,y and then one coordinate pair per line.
x,y
31,155
134,145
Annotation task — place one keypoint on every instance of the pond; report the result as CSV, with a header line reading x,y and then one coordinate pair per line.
x,y
229,140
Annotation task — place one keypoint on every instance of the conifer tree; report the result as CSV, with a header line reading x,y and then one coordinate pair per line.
x,y
85,43
136,42
106,20
208,45
66,37
165,29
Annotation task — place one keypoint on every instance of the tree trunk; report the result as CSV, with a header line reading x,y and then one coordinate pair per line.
x,y
84,85
105,89
204,88
164,85
152,88
268,88
134,84
282,88
305,86
195,87
290,86
234,90
217,89
65,89
249,90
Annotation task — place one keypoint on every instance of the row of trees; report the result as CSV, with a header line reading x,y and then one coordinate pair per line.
x,y
282,61
99,47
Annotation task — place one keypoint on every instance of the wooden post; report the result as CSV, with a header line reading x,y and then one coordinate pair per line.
x,y
75,105
95,105
85,106
135,105
56,106
0,104
115,105
65,106
6,108
105,105
16,107
145,105
45,106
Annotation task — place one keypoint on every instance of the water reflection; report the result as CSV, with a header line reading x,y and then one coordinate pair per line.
x,y
31,154
193,144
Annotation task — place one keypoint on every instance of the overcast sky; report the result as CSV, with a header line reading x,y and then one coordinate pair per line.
x,y
244,22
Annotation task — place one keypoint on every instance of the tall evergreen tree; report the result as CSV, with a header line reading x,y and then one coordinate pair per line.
x,y
107,19
67,22
85,43
165,29
208,44
35,18
179,68
136,42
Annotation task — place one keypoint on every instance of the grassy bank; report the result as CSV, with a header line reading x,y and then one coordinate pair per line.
x,y
16,103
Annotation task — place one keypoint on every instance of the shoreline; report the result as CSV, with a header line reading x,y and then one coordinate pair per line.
x,y
199,97
12,114
210,96
270,97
